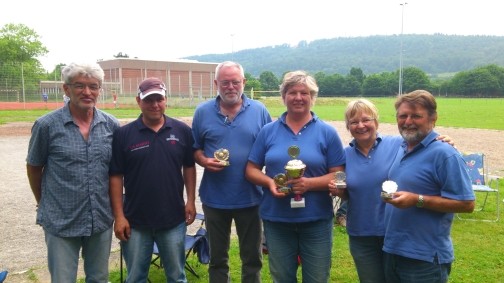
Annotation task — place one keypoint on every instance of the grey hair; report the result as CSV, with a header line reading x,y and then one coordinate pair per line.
x,y
229,64
91,70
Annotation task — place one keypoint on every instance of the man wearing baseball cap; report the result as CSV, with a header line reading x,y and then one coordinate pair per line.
x,y
153,158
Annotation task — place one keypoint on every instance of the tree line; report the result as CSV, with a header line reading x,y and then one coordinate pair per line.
x,y
485,81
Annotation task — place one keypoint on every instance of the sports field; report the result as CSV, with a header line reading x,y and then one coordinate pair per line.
x,y
18,211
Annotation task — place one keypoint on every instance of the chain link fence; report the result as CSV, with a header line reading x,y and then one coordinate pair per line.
x,y
18,83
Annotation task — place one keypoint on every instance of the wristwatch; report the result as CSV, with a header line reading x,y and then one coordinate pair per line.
x,y
420,201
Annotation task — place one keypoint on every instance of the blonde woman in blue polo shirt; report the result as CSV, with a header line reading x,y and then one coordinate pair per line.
x,y
293,231
369,154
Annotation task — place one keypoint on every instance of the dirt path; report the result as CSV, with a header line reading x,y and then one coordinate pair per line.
x,y
22,246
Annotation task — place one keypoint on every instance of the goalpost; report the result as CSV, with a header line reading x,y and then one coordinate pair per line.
x,y
272,93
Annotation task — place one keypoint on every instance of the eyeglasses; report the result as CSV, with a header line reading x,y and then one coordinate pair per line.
x,y
80,86
228,83
412,117
295,93
365,121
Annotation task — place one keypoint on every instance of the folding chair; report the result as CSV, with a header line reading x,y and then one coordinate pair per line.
x,y
481,184
195,244
336,204
3,275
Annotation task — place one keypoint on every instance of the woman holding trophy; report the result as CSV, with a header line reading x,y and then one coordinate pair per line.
x,y
301,154
370,154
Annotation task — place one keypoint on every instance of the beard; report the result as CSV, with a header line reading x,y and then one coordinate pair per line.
x,y
230,99
412,134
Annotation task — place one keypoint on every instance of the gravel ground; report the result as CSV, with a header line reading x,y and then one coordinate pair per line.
x,y
22,246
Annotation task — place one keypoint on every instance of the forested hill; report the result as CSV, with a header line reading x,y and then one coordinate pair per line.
x,y
434,54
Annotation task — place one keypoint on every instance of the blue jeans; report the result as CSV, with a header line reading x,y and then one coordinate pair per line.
x,y
63,256
312,241
137,253
408,270
249,229
367,254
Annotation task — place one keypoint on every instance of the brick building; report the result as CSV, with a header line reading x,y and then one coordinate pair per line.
x,y
183,78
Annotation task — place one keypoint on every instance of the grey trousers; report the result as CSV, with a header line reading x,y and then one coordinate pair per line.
x,y
249,229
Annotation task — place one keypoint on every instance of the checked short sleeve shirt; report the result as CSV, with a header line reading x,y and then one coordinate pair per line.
x,y
75,189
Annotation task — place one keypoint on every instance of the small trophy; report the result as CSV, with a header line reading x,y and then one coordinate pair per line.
x,y
295,169
280,180
340,178
222,155
388,189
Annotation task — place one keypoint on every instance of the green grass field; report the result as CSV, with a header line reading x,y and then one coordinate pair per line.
x,y
478,253
479,246
483,113
452,112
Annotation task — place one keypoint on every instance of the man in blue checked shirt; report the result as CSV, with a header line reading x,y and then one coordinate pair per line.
x,y
67,165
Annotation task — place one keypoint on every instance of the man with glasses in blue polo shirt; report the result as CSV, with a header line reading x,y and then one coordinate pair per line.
x,y
226,128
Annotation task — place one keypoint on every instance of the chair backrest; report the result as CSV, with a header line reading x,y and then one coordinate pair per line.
x,y
475,167
202,246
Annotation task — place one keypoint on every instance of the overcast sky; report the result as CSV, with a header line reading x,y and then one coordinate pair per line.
x,y
170,29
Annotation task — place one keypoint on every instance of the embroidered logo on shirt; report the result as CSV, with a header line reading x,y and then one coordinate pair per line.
x,y
172,139
139,145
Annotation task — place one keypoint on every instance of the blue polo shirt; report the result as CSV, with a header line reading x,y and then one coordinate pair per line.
x,y
365,175
320,149
432,168
151,164
228,189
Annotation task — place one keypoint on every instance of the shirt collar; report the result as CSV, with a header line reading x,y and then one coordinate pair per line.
x,y
245,102
378,140
431,137
314,118
67,116
168,123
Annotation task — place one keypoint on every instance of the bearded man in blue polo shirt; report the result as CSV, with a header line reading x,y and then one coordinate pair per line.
x,y
153,158
433,184
230,122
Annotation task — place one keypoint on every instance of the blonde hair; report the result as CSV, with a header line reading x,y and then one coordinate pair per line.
x,y
299,77
360,106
